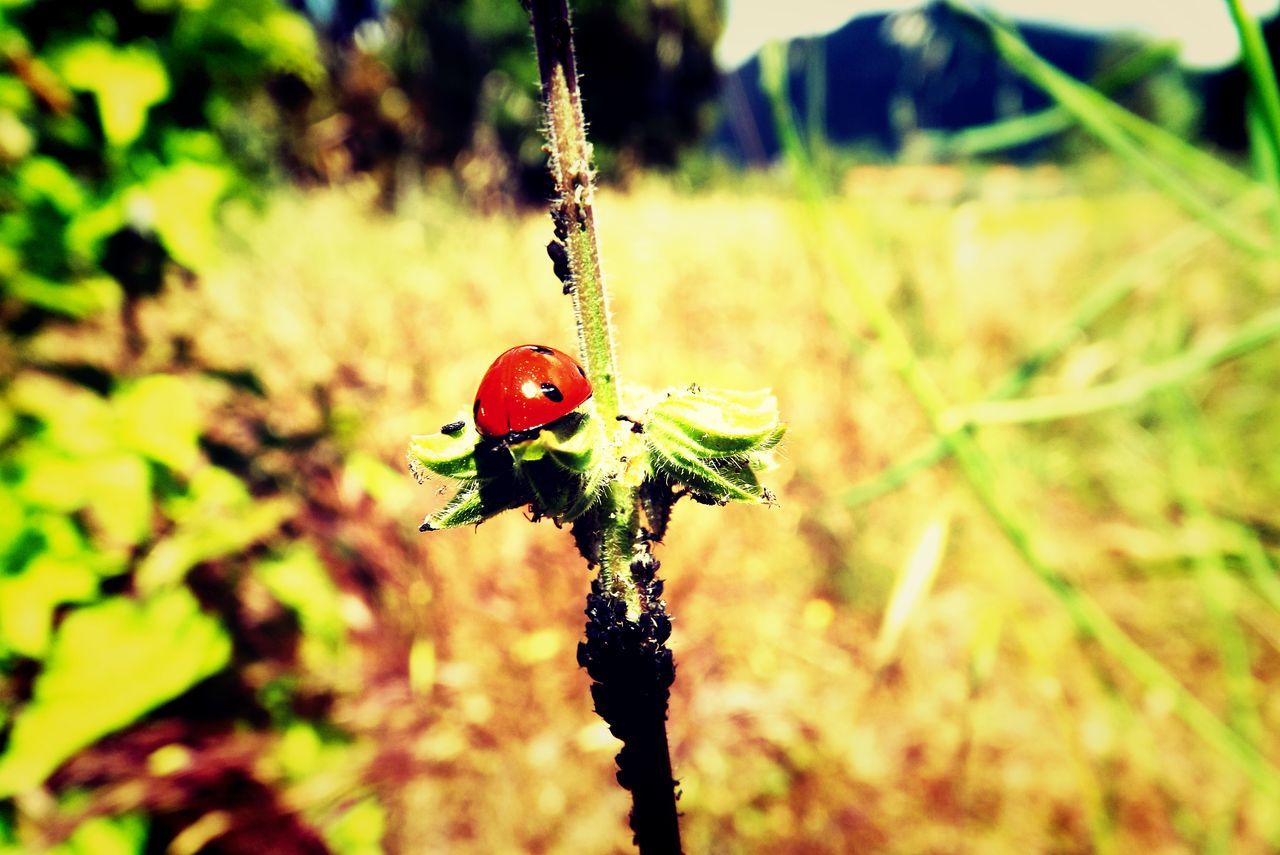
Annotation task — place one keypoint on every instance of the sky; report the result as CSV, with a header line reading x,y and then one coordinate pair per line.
x,y
1202,28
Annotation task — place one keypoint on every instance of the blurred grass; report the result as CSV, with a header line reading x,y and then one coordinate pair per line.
x,y
1190,176
992,721
982,473
1262,74
1031,127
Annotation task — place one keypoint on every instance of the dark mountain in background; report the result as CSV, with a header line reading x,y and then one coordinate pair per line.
x,y
882,80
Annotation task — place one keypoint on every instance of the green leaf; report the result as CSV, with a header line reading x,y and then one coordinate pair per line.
x,y
118,489
43,178
359,830
76,420
218,518
77,299
466,507
300,751
182,202
92,225
720,422
16,138
55,534
49,479
11,262
570,446
28,599
723,480
447,455
158,417
105,835
109,664
12,522
714,440
293,45
126,81
300,581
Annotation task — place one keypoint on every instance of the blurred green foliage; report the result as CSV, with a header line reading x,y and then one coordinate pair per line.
x,y
124,127
121,129
105,669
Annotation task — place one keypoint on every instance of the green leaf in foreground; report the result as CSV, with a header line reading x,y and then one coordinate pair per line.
x,y
158,417
109,664
126,81
106,835
217,517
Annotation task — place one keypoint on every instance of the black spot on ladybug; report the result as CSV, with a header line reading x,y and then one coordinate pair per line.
x,y
545,351
580,371
475,408
552,392
453,428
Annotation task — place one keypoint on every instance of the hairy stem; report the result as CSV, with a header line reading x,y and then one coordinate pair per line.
x,y
574,178
625,650
578,247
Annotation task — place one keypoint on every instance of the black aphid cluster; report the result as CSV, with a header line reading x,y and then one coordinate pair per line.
x,y
632,671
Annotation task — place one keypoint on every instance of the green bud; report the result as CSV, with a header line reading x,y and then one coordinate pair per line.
x,y
465,508
718,422
451,455
551,472
730,479
709,442
556,466
571,446
714,441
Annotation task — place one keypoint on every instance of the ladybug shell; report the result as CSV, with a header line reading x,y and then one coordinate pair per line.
x,y
527,387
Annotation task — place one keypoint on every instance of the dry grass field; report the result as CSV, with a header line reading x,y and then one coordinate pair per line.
x,y
984,721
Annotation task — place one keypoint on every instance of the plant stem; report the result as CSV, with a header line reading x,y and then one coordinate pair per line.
x,y
574,217
625,651
574,179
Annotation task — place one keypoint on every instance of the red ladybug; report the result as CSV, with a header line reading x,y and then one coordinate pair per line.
x,y
527,387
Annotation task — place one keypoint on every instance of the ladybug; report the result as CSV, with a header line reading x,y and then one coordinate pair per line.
x,y
528,387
